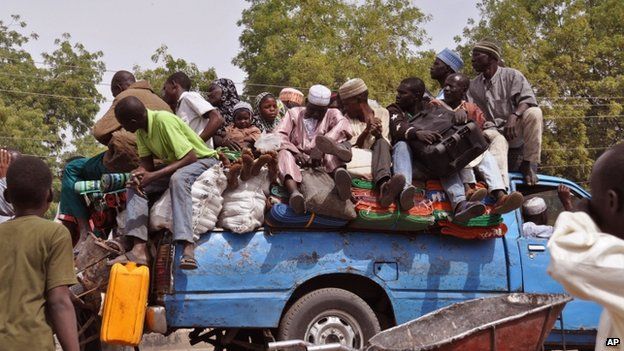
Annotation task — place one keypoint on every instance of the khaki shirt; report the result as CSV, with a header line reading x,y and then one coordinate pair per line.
x,y
499,96
121,155
358,127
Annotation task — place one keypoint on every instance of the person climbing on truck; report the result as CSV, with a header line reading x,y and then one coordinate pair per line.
x,y
587,247
162,135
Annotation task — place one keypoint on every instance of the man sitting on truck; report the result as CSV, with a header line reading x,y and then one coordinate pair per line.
x,y
587,247
162,135
300,129
455,88
370,129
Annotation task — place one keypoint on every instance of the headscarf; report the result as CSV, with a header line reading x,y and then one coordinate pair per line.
x,y
260,122
229,98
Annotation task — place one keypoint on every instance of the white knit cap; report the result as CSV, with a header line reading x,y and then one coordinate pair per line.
x,y
319,95
534,206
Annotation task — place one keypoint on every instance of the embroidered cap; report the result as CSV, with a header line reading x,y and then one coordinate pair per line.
x,y
319,95
452,59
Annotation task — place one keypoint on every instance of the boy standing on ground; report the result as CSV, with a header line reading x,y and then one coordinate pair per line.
x,y
162,135
191,107
36,266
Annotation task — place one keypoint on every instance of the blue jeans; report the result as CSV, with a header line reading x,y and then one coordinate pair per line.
x,y
179,184
403,162
490,171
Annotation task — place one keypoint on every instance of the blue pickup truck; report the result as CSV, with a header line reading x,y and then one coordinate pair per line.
x,y
345,286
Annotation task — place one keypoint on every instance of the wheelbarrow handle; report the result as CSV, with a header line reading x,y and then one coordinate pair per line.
x,y
303,345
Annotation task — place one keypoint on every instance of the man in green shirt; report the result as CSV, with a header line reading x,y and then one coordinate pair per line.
x,y
36,266
162,135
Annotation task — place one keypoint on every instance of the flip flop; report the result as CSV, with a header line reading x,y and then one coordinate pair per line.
x,y
297,203
128,257
406,199
188,263
476,195
508,203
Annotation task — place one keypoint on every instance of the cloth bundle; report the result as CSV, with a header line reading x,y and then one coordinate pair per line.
x,y
113,181
471,233
243,207
282,216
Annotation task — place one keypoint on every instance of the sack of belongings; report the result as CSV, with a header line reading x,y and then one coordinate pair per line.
x,y
207,203
317,188
243,207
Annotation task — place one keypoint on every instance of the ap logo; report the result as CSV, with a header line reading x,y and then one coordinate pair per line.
x,y
612,342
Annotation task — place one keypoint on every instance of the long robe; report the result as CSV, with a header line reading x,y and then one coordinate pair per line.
x,y
296,140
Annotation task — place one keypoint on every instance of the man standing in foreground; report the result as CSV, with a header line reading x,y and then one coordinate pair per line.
x,y
508,101
587,247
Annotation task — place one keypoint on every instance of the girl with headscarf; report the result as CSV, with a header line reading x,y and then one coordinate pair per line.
x,y
223,95
268,112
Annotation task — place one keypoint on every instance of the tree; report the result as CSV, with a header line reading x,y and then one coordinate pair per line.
x,y
169,65
569,50
294,43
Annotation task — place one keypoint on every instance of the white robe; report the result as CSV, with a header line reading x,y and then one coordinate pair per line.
x,y
590,265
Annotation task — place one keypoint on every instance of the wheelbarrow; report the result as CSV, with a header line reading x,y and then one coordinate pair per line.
x,y
507,322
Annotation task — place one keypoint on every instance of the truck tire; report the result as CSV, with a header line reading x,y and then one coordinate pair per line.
x,y
327,316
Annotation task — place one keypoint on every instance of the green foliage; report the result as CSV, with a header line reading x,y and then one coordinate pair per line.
x,y
169,65
294,43
45,105
570,51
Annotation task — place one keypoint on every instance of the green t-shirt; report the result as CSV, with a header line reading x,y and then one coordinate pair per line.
x,y
169,138
35,256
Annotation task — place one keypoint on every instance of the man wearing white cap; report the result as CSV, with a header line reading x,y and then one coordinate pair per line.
x,y
370,145
300,130
535,214
446,63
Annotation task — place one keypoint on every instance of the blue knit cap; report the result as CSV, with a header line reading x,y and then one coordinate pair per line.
x,y
452,59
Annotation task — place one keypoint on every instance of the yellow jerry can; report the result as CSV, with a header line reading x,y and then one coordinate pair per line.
x,y
125,304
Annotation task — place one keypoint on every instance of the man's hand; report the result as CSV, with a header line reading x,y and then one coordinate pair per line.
x,y
428,137
460,117
231,144
565,196
5,161
375,128
511,127
301,159
147,178
316,158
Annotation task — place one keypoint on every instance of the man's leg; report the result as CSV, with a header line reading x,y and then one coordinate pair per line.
x,y
381,166
137,220
504,203
499,148
290,174
402,165
182,201
463,210
531,128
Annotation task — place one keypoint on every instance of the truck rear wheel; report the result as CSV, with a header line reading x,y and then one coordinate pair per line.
x,y
328,316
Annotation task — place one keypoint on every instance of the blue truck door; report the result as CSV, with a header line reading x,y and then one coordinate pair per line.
x,y
578,314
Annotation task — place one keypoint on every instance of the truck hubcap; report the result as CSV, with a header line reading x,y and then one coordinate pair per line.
x,y
335,327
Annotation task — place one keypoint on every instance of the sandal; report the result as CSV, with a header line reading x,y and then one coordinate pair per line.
x,y
128,257
188,263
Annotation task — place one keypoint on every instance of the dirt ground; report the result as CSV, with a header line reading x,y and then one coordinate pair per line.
x,y
177,341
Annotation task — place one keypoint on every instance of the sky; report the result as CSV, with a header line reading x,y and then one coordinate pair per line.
x,y
200,31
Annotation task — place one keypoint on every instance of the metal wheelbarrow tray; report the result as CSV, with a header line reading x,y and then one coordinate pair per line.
x,y
507,322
